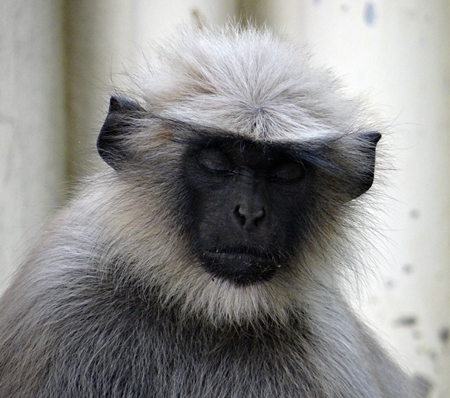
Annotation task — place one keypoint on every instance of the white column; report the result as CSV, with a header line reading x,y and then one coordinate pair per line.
x,y
32,136
397,54
98,36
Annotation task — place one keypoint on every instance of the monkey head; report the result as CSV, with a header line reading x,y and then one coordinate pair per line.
x,y
248,156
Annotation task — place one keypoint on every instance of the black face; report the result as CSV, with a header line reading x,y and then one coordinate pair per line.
x,y
249,205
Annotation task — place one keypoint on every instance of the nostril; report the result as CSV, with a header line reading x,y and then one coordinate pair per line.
x,y
258,216
240,215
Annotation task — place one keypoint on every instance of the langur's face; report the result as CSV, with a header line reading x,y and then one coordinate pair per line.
x,y
249,206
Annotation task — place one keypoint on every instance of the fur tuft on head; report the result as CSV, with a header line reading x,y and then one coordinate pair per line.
x,y
245,80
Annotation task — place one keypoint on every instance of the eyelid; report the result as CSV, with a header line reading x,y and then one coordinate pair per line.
x,y
215,160
292,171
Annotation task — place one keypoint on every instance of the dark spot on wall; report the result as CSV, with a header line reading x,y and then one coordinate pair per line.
x,y
389,284
406,321
345,8
432,355
369,14
414,214
316,1
407,268
444,335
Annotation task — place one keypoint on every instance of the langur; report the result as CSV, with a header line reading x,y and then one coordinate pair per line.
x,y
205,259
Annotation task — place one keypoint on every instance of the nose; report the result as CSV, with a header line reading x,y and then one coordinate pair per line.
x,y
249,216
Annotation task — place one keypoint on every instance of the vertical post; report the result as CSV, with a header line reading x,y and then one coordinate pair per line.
x,y
32,136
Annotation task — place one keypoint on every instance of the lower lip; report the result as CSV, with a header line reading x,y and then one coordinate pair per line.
x,y
263,264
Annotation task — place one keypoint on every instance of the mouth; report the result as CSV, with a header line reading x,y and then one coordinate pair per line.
x,y
242,266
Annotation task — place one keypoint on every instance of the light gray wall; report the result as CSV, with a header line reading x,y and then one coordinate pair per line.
x,y
32,123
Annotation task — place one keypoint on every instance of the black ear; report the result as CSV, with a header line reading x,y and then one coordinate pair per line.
x,y
111,143
367,149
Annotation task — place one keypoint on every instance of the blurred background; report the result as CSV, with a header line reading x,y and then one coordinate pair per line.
x,y
59,60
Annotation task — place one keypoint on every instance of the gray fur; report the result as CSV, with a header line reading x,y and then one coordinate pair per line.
x,y
113,304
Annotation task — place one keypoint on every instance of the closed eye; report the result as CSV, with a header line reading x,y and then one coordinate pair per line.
x,y
289,172
213,159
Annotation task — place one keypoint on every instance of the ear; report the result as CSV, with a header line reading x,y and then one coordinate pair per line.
x,y
361,182
111,142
